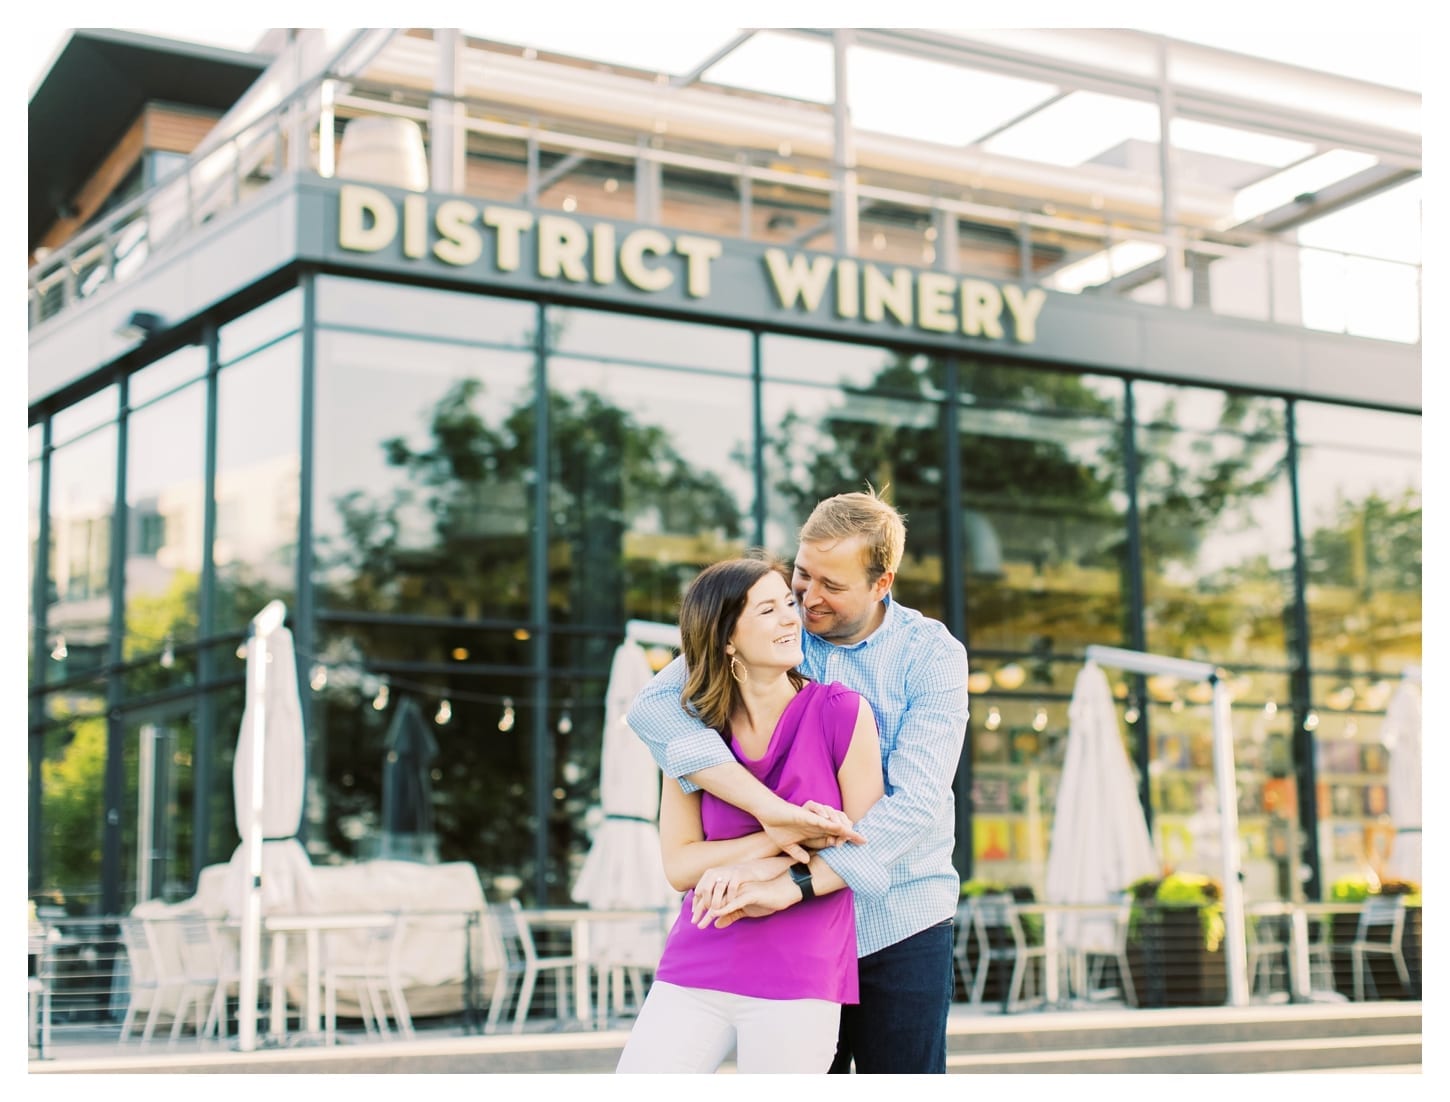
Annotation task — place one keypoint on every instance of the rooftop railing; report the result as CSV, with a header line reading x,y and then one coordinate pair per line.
x,y
537,160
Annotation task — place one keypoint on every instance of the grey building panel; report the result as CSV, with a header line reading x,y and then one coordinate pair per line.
x,y
1203,348
299,220
236,249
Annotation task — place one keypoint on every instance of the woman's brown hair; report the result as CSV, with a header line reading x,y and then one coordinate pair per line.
x,y
709,611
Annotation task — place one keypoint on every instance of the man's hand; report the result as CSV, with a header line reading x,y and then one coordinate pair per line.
x,y
794,827
754,899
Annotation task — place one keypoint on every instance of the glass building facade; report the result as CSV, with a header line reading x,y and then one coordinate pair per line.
x,y
616,322
462,498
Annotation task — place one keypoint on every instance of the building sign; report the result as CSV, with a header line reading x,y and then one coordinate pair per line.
x,y
506,240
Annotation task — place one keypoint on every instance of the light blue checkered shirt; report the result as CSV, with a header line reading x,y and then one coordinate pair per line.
x,y
914,674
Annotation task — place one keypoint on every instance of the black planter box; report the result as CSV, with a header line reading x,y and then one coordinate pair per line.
x,y
1170,961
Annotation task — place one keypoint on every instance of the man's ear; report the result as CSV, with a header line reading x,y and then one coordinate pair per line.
x,y
882,585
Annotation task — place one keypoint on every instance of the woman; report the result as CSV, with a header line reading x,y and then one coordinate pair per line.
x,y
770,988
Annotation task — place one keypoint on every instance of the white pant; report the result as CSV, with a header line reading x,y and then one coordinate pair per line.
x,y
689,1029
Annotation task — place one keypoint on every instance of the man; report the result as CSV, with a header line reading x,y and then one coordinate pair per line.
x,y
914,674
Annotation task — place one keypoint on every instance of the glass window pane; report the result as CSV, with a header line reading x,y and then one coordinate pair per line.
x,y
72,806
879,423
165,497
156,379
82,508
1044,513
257,492
257,327
422,486
429,312
1216,528
481,774
1361,512
650,482
648,340
85,415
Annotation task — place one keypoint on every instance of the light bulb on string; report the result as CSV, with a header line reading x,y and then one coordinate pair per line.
x,y
1311,720
444,713
318,680
168,654
242,650
506,721
566,721
1270,708
1039,721
994,719
1131,713
381,700
59,653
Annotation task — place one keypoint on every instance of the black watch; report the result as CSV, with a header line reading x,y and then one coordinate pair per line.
x,y
800,872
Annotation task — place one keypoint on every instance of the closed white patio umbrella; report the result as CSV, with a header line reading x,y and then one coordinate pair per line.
x,y
1402,736
269,872
1100,842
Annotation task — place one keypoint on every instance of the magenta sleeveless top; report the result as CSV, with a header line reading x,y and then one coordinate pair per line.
x,y
807,951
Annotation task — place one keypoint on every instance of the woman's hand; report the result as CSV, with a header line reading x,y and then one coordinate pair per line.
x,y
719,885
842,829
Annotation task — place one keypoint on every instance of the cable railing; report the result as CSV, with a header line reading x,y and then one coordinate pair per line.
x,y
1262,277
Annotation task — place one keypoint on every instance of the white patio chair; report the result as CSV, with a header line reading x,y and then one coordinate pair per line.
x,y
1268,952
1096,961
522,961
1381,931
156,979
375,978
1001,939
211,975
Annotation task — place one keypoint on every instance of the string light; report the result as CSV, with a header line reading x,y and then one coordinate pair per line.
x,y
994,719
506,721
60,652
566,721
381,700
1039,721
318,680
1270,708
168,655
445,712
1131,713
1311,721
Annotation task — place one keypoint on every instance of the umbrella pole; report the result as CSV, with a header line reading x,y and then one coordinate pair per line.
x,y
265,622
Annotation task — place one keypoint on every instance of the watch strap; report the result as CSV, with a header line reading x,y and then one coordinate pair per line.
x,y
800,872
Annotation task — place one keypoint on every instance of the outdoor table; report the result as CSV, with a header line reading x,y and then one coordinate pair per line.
x,y
577,920
311,927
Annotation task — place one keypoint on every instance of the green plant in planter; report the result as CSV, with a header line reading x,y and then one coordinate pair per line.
x,y
1180,891
1356,889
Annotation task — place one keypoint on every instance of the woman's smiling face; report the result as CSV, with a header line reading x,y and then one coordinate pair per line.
x,y
768,633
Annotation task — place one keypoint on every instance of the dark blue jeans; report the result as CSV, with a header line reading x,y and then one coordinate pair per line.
x,y
900,1024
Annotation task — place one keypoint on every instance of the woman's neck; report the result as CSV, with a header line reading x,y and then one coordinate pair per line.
x,y
762,701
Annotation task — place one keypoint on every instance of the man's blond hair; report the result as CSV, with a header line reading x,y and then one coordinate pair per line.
x,y
860,514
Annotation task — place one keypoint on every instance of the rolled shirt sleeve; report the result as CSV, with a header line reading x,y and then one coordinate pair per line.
x,y
919,768
679,743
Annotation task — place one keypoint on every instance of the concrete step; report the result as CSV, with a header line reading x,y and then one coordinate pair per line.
x,y
1048,1032
1238,1057
1256,1039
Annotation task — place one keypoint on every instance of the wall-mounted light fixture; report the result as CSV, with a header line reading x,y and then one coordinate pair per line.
x,y
142,325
